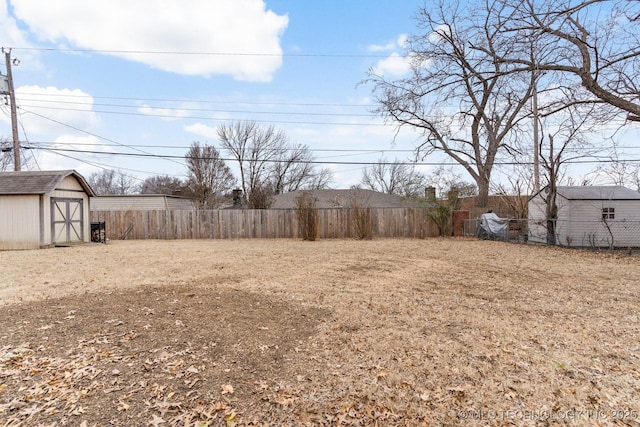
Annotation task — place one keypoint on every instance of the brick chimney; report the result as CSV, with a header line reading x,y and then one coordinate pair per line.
x,y
430,193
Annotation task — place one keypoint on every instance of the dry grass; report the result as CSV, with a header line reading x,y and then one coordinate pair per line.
x,y
263,332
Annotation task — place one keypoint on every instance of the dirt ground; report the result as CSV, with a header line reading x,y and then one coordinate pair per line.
x,y
283,332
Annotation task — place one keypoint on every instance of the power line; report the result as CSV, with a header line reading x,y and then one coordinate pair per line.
x,y
184,147
241,102
207,110
186,53
320,162
221,119
90,133
103,166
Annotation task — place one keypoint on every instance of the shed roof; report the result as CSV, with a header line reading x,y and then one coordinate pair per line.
x,y
37,182
343,199
598,192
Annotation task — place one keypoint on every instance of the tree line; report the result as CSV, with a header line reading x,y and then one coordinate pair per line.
x,y
527,81
268,164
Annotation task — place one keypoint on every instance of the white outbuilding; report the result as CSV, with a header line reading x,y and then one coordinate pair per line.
x,y
40,209
589,216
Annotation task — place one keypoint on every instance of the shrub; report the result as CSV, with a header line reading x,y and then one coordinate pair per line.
x,y
361,219
307,215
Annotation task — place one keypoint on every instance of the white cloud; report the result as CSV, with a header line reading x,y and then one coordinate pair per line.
x,y
51,159
202,130
399,43
10,34
39,113
168,114
186,26
393,66
396,64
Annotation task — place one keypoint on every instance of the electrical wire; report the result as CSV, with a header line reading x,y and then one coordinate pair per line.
x,y
185,53
322,162
90,133
221,119
178,100
205,110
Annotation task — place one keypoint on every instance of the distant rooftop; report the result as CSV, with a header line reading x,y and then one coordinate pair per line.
x,y
598,192
342,199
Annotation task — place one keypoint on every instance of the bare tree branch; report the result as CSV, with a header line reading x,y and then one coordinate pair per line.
x,y
457,95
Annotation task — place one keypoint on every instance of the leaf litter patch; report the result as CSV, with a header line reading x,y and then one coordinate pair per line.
x,y
189,355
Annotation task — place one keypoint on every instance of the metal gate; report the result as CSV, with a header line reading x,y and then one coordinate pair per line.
x,y
67,220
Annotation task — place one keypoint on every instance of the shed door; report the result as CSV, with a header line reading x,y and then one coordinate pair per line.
x,y
66,220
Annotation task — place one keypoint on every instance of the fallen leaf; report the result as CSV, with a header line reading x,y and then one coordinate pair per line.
x,y
227,389
156,421
231,419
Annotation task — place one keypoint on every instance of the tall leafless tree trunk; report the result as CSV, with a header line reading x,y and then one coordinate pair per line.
x,y
457,95
209,178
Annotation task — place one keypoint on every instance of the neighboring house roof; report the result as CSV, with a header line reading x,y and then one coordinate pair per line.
x,y
38,182
598,192
342,199
141,202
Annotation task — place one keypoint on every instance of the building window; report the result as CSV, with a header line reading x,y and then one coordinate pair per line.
x,y
608,213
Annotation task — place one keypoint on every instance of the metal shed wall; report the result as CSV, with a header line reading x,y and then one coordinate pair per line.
x,y
537,217
19,222
586,228
580,222
26,221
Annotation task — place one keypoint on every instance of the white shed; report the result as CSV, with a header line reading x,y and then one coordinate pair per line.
x,y
589,216
40,209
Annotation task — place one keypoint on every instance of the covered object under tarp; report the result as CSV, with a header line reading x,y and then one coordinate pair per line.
x,y
493,227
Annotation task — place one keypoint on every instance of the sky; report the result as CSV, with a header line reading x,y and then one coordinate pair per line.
x,y
130,85
150,77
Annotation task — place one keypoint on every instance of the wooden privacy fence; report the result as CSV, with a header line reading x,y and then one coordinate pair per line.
x,y
258,223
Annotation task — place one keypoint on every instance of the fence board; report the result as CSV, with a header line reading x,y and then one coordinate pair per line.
x,y
259,223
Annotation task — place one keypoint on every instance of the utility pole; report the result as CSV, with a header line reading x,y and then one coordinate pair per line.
x,y
536,142
536,124
14,114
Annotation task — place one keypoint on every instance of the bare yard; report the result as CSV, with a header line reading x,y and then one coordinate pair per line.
x,y
285,332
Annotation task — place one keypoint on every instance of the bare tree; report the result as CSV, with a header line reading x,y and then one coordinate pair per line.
x,y
595,44
6,154
209,178
268,163
295,171
320,179
254,149
457,95
112,182
163,184
445,180
618,171
567,139
515,192
395,177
